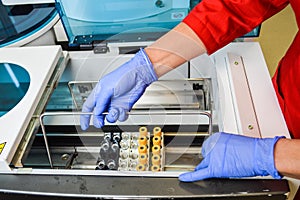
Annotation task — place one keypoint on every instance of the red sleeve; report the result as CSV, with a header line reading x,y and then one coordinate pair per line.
x,y
218,22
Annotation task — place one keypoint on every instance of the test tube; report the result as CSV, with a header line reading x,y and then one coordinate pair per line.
x,y
123,164
107,136
111,164
156,140
115,147
143,158
155,168
116,137
143,149
155,160
142,140
133,144
125,136
156,149
124,144
105,145
133,164
157,131
123,154
140,167
100,164
135,135
143,130
133,155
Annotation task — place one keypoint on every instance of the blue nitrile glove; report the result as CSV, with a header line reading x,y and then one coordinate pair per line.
x,y
232,156
117,91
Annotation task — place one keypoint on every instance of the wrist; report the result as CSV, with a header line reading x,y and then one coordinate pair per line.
x,y
266,152
282,151
162,60
150,75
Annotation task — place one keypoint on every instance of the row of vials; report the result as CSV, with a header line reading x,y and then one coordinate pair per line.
x,y
141,151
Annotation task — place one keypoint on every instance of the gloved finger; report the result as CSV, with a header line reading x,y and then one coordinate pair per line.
x,y
98,121
102,99
123,114
195,175
113,115
84,121
203,164
88,106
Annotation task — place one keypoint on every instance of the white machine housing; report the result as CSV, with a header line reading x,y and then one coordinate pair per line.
x,y
245,101
246,98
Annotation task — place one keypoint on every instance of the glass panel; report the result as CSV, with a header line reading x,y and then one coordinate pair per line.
x,y
118,20
86,21
18,2
254,33
167,94
21,21
14,83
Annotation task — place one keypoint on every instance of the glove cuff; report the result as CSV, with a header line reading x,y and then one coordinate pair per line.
x,y
151,77
266,159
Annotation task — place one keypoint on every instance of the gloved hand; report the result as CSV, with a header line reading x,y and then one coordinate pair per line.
x,y
118,91
228,155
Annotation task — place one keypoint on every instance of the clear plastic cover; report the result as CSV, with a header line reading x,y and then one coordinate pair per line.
x,y
86,21
21,21
132,20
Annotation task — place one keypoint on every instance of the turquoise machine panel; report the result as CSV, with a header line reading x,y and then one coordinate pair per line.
x,y
14,84
21,21
87,21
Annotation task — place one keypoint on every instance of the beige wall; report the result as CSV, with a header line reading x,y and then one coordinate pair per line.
x,y
276,35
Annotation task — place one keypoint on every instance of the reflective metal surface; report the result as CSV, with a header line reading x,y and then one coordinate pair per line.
x,y
106,187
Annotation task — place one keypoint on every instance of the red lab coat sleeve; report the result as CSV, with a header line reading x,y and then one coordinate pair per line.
x,y
218,22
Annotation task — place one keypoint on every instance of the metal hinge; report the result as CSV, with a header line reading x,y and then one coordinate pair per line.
x,y
96,46
100,47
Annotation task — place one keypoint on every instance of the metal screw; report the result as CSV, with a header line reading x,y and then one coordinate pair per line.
x,y
65,156
250,127
159,4
236,62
